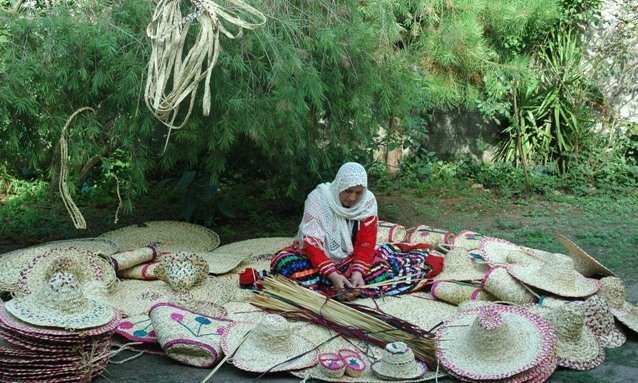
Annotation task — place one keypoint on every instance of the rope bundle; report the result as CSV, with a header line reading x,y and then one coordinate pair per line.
x,y
174,76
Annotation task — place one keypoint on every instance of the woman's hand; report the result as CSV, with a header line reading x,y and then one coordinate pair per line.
x,y
356,279
340,283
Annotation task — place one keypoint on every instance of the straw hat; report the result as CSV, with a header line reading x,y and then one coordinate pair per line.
x,y
388,232
182,270
427,234
458,265
494,342
165,235
500,251
187,336
457,292
600,320
36,271
577,345
502,285
61,303
398,363
556,275
613,290
467,239
583,262
267,346
135,296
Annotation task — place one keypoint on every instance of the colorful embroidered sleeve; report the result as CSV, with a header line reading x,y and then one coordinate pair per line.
x,y
364,245
319,260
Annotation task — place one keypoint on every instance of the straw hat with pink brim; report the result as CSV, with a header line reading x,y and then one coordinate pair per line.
x,y
556,275
267,346
496,251
494,342
583,262
165,236
457,292
62,304
599,318
613,290
577,347
458,265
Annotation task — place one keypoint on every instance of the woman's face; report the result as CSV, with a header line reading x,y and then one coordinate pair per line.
x,y
351,196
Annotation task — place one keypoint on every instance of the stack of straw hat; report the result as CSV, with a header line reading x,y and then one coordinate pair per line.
x,y
55,334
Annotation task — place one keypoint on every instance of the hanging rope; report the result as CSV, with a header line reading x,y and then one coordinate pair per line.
x,y
71,207
174,76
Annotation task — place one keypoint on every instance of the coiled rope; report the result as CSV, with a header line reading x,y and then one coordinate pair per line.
x,y
174,76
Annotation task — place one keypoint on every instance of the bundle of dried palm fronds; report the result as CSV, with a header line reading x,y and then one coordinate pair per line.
x,y
287,298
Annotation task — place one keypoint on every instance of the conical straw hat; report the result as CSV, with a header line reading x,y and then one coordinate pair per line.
x,y
494,342
612,289
398,363
502,285
458,265
577,347
267,346
556,275
61,303
583,262
165,235
599,318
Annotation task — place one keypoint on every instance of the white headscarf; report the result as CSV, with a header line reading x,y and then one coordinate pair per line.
x,y
326,223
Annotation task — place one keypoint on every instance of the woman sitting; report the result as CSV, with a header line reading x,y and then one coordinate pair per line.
x,y
334,251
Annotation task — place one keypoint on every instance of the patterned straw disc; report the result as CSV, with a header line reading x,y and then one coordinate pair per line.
x,y
388,232
556,275
278,348
428,234
457,292
494,342
577,346
599,318
165,235
187,336
498,251
61,303
502,285
458,265
583,262
613,290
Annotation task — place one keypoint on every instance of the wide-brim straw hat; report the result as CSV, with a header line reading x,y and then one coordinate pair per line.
x,y
457,292
428,234
398,362
61,303
613,290
31,268
458,265
135,296
577,347
181,270
583,262
267,346
187,336
496,251
556,275
165,236
494,342
600,320
505,287
388,232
